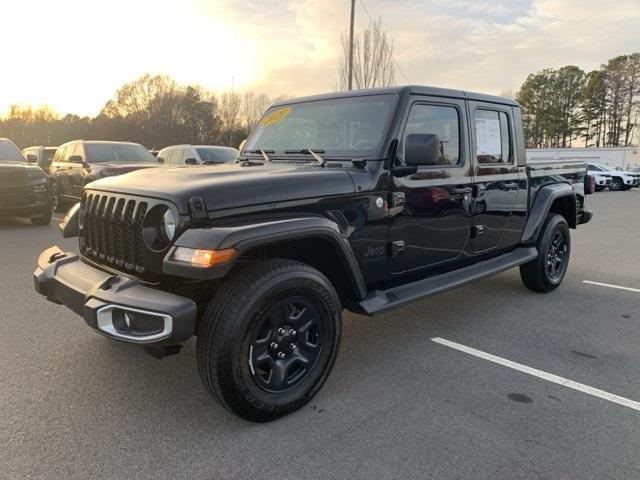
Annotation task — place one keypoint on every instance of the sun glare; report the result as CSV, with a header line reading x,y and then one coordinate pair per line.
x,y
74,54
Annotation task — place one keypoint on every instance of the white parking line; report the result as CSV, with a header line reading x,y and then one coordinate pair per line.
x,y
629,289
540,374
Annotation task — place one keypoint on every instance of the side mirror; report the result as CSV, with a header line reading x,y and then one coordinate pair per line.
x,y
190,161
160,159
76,159
422,149
32,158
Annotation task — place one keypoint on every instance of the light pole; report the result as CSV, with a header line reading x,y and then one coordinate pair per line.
x,y
353,11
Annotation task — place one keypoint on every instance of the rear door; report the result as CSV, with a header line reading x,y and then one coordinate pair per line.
x,y
432,230
500,186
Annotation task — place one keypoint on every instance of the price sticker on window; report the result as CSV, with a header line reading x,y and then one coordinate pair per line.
x,y
275,116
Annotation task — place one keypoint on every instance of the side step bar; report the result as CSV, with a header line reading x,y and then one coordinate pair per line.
x,y
380,301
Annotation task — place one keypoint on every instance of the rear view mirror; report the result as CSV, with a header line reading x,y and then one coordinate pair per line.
x,y
191,161
422,149
32,158
76,159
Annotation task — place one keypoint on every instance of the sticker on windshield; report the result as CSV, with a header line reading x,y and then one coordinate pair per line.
x,y
275,116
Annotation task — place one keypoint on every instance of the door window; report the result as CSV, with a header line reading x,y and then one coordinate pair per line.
x,y
441,121
493,142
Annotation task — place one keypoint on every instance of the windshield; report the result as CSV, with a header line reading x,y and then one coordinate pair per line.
x,y
348,127
117,152
217,155
10,153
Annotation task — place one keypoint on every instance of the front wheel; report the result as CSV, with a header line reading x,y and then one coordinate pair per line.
x,y
269,338
616,185
43,219
546,272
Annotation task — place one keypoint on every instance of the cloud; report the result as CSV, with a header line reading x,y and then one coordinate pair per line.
x,y
74,54
489,46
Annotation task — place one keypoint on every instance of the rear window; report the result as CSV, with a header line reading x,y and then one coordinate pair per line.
x,y
117,153
10,153
217,155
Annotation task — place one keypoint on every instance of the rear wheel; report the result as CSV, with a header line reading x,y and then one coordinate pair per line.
x,y
546,272
269,339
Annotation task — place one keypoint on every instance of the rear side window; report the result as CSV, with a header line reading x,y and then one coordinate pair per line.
x,y
493,141
441,121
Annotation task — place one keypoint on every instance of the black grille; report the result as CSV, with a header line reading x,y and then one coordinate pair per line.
x,y
12,179
112,231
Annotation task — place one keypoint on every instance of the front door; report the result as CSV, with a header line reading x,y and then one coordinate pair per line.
x,y
432,228
500,185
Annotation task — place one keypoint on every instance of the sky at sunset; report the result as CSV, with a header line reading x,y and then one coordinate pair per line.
x,y
72,55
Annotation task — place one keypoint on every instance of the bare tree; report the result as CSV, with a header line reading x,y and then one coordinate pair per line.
x,y
372,59
253,106
229,109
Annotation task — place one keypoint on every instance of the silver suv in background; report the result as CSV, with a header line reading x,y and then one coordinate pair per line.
x,y
196,155
40,155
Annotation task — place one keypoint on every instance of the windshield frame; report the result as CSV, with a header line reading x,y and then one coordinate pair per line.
x,y
348,155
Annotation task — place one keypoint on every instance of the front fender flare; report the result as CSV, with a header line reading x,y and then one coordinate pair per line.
x,y
249,236
541,206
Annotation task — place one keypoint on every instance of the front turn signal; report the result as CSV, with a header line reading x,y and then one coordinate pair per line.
x,y
203,258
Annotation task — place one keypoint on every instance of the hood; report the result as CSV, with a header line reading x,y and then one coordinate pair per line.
x,y
124,166
231,185
16,166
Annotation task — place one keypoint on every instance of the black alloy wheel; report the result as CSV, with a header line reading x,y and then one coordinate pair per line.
x,y
286,343
269,338
557,255
546,272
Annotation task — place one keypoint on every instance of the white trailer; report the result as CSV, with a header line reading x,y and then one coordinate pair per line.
x,y
623,157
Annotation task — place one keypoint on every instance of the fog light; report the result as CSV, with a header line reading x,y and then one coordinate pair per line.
x,y
203,258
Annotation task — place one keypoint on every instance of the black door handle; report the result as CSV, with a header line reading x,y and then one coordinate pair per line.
x,y
461,190
508,186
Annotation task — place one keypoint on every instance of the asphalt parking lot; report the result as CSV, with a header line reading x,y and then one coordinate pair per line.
x,y
408,398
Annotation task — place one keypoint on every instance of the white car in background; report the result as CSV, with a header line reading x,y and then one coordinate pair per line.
x,y
620,179
196,155
602,179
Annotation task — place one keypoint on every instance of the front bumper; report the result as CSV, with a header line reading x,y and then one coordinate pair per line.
x,y
104,299
584,216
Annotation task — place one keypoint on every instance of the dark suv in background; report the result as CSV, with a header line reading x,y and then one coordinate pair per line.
x,y
23,188
79,162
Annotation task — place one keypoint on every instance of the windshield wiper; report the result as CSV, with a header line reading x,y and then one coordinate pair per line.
x,y
264,153
314,153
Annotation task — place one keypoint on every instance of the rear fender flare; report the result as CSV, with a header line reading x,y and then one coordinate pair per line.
x,y
541,206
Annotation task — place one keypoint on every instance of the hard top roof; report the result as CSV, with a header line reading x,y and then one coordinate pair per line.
x,y
409,89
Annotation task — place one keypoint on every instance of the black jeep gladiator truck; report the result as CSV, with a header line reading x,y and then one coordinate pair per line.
x,y
363,200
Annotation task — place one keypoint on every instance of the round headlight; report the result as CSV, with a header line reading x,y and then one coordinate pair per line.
x,y
169,224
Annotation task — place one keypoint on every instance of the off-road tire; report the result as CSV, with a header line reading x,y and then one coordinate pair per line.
x,y
228,325
535,274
